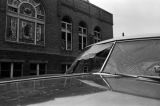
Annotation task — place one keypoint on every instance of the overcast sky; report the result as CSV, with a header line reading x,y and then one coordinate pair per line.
x,y
133,17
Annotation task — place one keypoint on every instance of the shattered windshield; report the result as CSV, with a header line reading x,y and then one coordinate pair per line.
x,y
92,59
135,57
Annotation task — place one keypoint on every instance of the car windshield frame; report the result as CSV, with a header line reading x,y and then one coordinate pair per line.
x,y
114,43
91,52
139,41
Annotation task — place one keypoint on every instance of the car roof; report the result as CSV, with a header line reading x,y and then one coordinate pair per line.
x,y
123,39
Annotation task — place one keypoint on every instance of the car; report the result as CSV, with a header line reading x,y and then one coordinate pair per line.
x,y
123,72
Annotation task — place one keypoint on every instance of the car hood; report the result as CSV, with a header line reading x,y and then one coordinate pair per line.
x,y
106,98
80,90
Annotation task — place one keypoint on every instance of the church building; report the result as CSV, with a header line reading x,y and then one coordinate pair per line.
x,y
40,37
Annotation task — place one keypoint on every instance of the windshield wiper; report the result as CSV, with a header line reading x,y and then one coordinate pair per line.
x,y
126,75
116,75
139,77
110,75
152,78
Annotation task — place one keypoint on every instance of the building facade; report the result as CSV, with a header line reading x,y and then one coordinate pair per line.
x,y
44,36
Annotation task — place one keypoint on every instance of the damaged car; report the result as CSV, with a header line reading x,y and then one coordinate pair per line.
x,y
122,72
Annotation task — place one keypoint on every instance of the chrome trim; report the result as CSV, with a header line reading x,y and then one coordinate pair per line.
x,y
44,77
106,60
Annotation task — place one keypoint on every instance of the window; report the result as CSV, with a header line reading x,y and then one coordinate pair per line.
x,y
66,33
97,35
11,70
17,70
92,59
85,67
37,69
33,69
82,33
5,70
65,67
42,68
25,22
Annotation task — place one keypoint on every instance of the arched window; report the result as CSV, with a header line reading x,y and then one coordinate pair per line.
x,y
25,22
66,33
82,33
97,34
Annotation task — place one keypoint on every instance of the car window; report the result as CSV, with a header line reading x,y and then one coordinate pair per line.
x,y
92,59
135,57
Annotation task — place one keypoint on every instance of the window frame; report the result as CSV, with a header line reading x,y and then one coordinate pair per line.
x,y
97,36
67,66
66,31
11,68
83,36
38,67
19,16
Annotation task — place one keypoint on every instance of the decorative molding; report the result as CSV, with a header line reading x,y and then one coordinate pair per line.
x,y
12,60
37,61
88,13
38,52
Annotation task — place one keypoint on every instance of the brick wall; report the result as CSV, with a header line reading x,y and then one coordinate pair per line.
x,y
78,10
2,20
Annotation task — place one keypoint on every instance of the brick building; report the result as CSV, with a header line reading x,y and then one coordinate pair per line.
x,y
44,36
